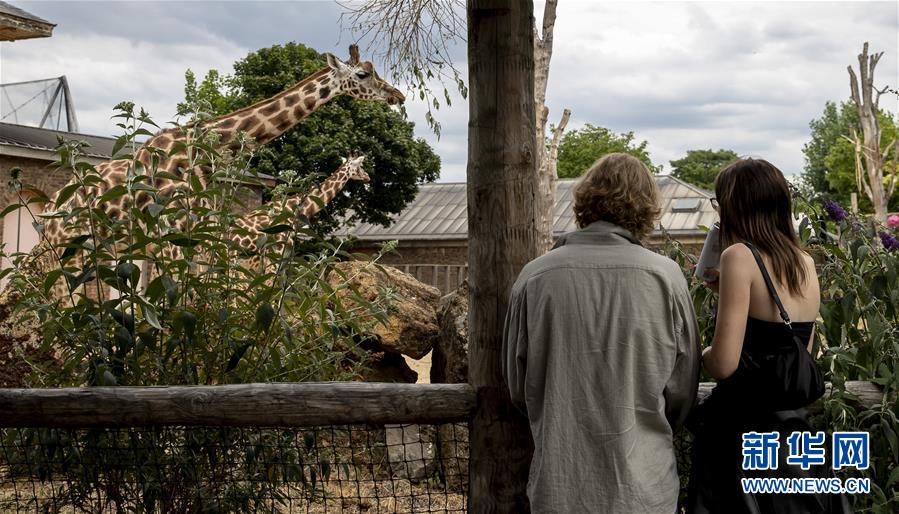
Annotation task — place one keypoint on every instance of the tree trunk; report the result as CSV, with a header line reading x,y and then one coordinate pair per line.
x,y
545,165
863,95
502,235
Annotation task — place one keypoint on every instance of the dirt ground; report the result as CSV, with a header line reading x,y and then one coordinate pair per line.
x,y
393,496
422,367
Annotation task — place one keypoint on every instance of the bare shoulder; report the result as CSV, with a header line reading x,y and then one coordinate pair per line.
x,y
736,255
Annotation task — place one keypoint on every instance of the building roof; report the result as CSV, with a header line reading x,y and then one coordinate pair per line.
x,y
439,211
41,143
42,139
17,24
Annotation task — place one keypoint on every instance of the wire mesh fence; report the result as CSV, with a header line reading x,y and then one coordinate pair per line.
x,y
349,468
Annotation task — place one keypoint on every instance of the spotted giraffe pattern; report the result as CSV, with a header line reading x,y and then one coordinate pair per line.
x,y
305,205
263,121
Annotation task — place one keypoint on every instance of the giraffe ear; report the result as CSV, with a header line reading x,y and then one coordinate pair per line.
x,y
333,62
343,160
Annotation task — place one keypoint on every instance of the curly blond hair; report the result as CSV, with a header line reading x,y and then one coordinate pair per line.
x,y
619,189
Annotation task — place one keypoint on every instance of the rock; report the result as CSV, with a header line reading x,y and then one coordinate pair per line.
x,y
449,364
385,366
411,325
410,452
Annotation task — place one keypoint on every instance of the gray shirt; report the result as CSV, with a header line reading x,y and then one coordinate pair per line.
x,y
601,351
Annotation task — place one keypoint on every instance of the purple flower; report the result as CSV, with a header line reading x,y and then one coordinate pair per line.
x,y
890,242
835,211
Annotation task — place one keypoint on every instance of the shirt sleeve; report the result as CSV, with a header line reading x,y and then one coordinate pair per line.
x,y
515,348
680,390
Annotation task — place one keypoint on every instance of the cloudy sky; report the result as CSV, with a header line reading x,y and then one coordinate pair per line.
x,y
682,75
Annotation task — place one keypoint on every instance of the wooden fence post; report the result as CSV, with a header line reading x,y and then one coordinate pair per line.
x,y
502,237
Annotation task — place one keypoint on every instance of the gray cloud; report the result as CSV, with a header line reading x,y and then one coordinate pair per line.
x,y
682,75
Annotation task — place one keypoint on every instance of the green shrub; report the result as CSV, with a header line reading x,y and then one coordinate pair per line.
x,y
859,328
207,314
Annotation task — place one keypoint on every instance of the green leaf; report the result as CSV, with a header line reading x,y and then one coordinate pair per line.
x,y
154,209
107,378
894,476
238,354
149,313
113,193
277,229
265,314
128,272
11,208
66,193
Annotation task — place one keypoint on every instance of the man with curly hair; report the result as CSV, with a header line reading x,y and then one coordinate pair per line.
x,y
601,352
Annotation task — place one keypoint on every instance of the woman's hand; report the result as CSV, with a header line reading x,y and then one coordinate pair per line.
x,y
712,284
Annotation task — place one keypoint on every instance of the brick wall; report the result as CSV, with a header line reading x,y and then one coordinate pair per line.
x,y
48,180
443,264
34,173
456,252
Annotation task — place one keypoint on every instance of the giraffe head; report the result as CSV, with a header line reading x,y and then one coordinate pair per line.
x,y
353,168
360,80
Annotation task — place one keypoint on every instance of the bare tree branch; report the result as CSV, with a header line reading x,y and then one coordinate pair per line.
x,y
413,39
880,92
545,164
557,138
868,146
543,49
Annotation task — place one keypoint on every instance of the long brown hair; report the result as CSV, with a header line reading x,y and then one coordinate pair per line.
x,y
755,206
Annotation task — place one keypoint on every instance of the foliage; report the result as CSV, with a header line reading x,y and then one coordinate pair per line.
x,y
582,147
704,301
830,156
700,167
859,329
209,314
396,160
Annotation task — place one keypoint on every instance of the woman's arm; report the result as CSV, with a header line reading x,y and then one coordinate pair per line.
x,y
735,281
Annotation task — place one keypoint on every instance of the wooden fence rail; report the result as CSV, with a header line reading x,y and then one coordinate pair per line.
x,y
277,405
257,405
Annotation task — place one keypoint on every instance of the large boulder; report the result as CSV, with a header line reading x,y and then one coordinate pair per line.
x,y
386,366
410,451
449,364
411,325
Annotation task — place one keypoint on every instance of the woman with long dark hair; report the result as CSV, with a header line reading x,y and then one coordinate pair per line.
x,y
768,296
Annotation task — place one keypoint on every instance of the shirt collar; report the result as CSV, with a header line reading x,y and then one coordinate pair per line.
x,y
597,233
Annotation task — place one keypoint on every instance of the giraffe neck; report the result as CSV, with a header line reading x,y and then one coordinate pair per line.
x,y
326,191
269,118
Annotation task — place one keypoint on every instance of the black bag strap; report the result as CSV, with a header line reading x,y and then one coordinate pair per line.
x,y
770,284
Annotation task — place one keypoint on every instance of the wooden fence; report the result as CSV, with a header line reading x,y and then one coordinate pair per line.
x,y
445,277
277,405
273,404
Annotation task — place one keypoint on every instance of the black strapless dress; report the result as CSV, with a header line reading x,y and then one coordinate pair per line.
x,y
718,426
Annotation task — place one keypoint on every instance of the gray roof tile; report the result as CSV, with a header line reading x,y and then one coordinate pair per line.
x,y
439,212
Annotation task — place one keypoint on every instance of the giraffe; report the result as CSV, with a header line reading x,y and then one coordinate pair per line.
x,y
304,205
263,122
